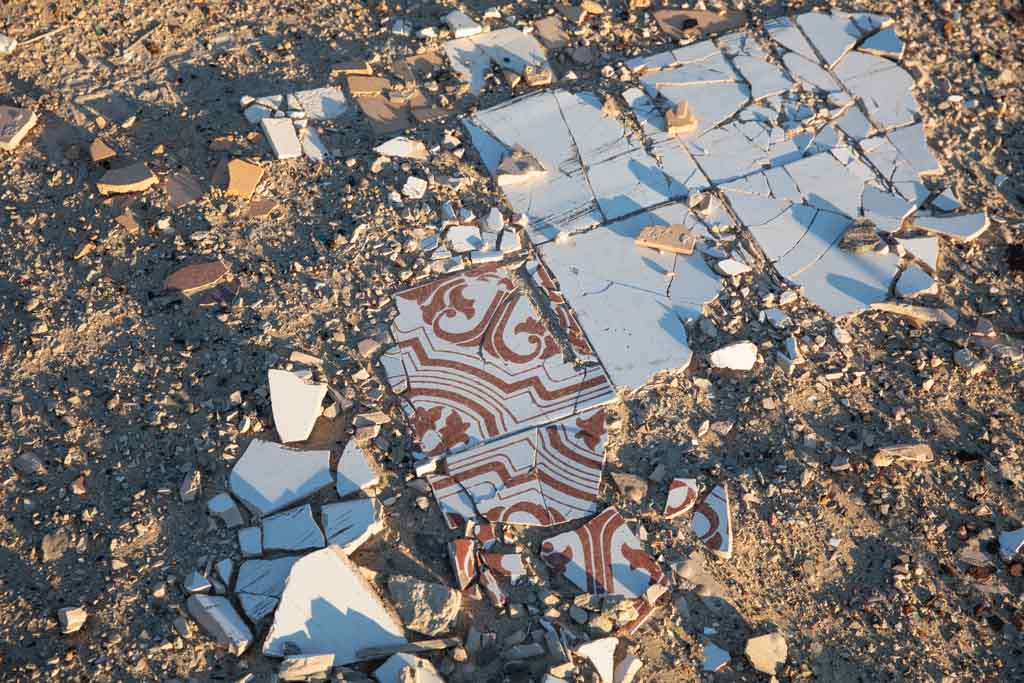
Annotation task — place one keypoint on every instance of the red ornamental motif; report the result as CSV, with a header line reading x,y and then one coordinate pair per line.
x,y
454,432
592,429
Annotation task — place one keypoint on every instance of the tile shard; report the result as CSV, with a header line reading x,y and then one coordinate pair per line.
x,y
328,607
292,530
132,178
965,227
356,472
280,133
351,523
601,653
712,521
738,356
15,124
218,618
295,404
682,497
269,477
397,667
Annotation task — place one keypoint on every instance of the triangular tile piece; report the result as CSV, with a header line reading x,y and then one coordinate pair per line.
x,y
270,477
355,470
601,653
295,404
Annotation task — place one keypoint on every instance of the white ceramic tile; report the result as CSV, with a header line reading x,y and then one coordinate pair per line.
x,y
832,35
355,470
712,104
842,282
259,584
885,43
293,529
885,209
295,404
825,230
351,523
925,249
270,477
280,133
322,103
464,238
328,607
913,281
962,227
885,89
809,72
461,24
914,148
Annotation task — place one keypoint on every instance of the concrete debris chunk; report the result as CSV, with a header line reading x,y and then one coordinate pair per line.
x,y
920,453
295,404
218,618
280,133
674,239
71,619
293,529
356,472
767,652
223,506
731,267
304,667
15,124
738,356
133,178
402,148
461,25
351,523
270,477
680,121
601,654
427,608
328,607
405,666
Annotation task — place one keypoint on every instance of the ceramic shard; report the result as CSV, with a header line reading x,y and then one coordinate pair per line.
x,y
269,477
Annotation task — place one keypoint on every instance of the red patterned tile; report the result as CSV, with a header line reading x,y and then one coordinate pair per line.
x,y
682,496
475,361
712,521
603,557
545,281
504,564
462,553
545,476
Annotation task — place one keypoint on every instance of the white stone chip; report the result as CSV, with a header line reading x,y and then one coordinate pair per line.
x,y
1011,543
223,506
414,187
464,238
601,653
7,44
402,148
295,404
355,470
963,227
270,477
328,607
715,658
739,356
730,267
281,135
216,616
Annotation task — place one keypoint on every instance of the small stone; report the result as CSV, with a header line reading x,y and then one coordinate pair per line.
x,y
218,618
524,651
100,151
631,486
27,464
767,652
223,506
921,453
71,619
427,608
403,148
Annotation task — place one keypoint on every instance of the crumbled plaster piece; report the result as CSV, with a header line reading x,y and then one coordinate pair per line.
x,y
270,477
461,25
402,148
328,607
351,523
218,618
738,356
293,529
280,133
295,404
601,653
355,470
322,104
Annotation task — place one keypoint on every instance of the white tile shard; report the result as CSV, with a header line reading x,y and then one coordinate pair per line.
x,y
250,541
885,43
508,48
1011,543
924,249
738,356
351,523
218,618
280,133
259,585
461,25
402,148
913,281
601,653
295,404
328,607
961,227
356,471
715,658
391,671
322,104
292,530
270,477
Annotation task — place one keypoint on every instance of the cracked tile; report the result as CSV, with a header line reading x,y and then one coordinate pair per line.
x,y
545,476
832,35
884,87
925,249
351,523
712,521
508,48
843,282
750,59
269,477
885,43
259,585
293,529
480,363
965,227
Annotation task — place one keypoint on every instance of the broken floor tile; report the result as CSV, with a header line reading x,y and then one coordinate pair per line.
x,y
182,188
603,557
295,404
508,48
328,607
196,277
133,178
464,238
312,146
886,210
715,658
355,470
842,282
542,477
505,564
884,87
682,496
217,617
351,523
280,133
269,477
914,148
601,653
833,35
293,529
478,362
913,281
223,506
712,521
462,555
250,541
764,77
15,124
885,43
322,104
461,25
961,227
1011,543
925,249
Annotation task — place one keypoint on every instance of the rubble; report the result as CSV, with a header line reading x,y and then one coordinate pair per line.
x,y
280,133
715,658
223,506
395,669
243,177
402,148
918,453
427,608
351,523
303,667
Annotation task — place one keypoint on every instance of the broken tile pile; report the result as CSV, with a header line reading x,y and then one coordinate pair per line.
x,y
285,120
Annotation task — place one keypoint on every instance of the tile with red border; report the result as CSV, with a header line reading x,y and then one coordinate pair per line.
x,y
462,553
544,476
474,361
712,521
603,557
682,496
545,281
504,564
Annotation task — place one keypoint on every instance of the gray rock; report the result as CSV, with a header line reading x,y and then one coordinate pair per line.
x,y
220,621
525,651
427,608
28,463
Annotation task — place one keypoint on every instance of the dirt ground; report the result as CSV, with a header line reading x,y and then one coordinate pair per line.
x,y
120,388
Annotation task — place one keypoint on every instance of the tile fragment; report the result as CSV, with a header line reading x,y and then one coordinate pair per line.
x,y
601,653
270,477
100,151
243,177
223,506
132,178
218,618
960,227
712,521
402,148
15,124
399,666
328,607
196,277
250,541
295,404
351,523
356,471
292,530
682,497
462,555
885,43
280,133
715,658
675,239
738,356
322,104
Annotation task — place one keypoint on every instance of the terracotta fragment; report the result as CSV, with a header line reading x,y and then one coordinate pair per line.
x,y
243,177
134,178
676,239
100,151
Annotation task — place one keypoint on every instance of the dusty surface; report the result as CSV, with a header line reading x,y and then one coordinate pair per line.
x,y
119,388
